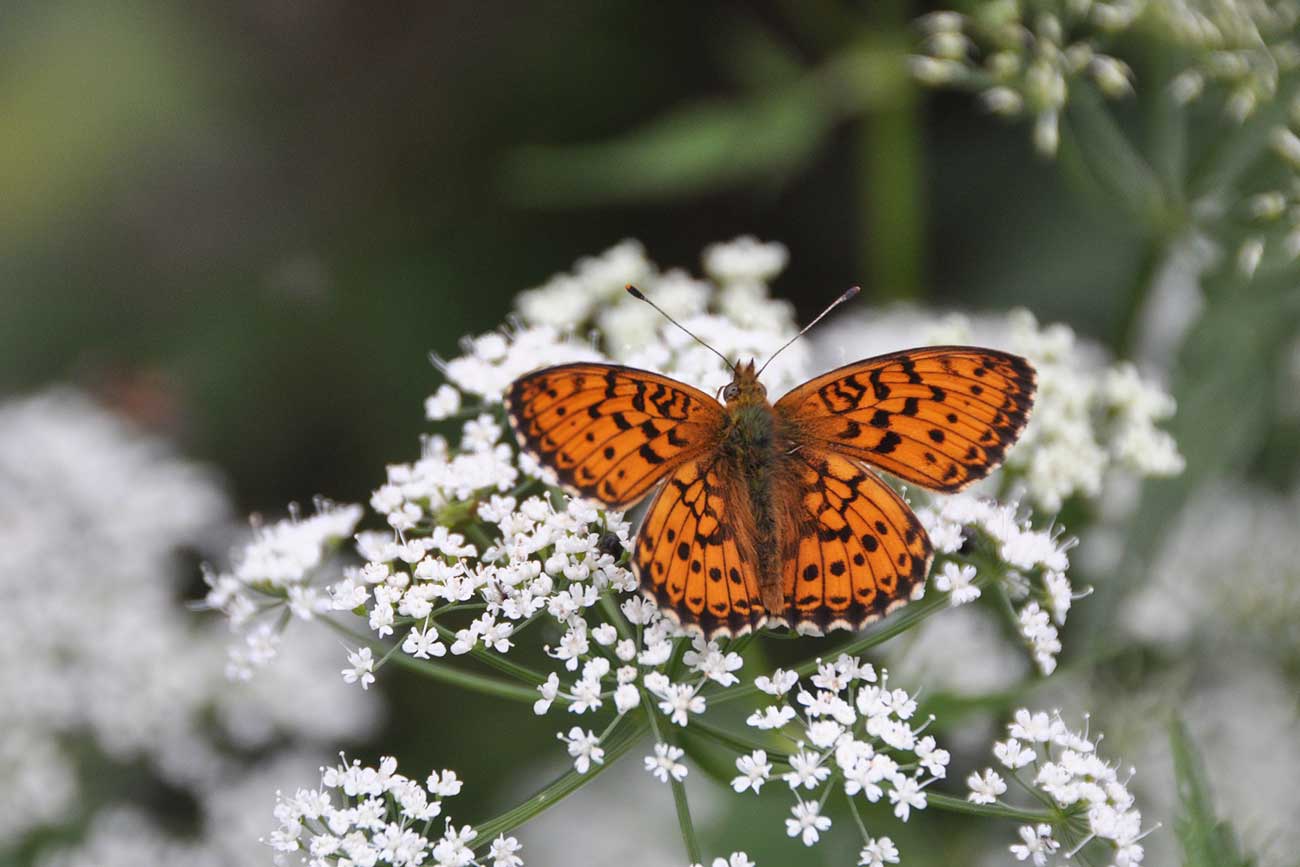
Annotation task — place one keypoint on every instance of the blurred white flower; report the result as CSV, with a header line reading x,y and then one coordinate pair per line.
x,y
146,684
368,815
1227,573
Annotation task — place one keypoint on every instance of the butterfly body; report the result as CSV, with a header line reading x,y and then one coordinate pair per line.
x,y
769,513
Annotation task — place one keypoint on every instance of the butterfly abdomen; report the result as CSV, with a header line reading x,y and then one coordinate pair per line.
x,y
753,444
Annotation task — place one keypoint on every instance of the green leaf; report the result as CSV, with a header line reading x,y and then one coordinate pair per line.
x,y
695,149
1104,153
760,137
625,735
1206,840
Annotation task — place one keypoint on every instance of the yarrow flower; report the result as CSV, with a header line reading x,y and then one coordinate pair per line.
x,y
853,724
280,568
1067,769
374,815
1033,566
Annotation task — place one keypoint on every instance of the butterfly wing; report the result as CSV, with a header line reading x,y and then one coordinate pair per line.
x,y
610,432
856,551
694,552
940,417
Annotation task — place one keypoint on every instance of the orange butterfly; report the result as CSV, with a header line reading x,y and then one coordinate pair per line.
x,y
767,513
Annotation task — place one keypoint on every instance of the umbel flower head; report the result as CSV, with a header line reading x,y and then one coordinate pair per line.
x,y
472,551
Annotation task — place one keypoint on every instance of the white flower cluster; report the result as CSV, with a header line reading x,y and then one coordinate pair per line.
x,y
278,569
1045,754
362,816
93,514
640,666
851,726
1034,563
1218,613
1024,65
734,311
1090,418
736,859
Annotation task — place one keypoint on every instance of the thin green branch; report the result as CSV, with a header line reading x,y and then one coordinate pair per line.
x,y
896,624
619,742
952,804
496,660
687,826
735,740
437,671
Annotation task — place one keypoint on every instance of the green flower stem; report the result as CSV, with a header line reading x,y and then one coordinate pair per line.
x,y
891,175
950,804
496,660
624,736
734,740
693,850
615,616
857,818
691,842
1102,150
444,673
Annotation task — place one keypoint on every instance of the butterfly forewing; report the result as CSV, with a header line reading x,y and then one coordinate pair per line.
x,y
858,551
940,417
611,432
693,555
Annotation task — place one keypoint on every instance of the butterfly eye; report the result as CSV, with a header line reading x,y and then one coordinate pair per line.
x,y
731,392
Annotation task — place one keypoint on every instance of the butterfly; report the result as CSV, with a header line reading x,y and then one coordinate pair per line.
x,y
771,513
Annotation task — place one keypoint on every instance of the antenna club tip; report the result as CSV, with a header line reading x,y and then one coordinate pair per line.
x,y
635,292
850,292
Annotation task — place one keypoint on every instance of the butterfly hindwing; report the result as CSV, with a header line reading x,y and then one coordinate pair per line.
x,y
610,432
692,554
940,417
857,552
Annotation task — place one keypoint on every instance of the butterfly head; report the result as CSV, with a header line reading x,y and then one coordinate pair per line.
x,y
744,387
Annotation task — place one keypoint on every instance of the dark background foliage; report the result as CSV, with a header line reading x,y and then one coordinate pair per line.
x,y
250,222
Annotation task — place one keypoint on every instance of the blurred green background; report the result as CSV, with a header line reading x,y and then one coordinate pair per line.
x,y
247,224
252,221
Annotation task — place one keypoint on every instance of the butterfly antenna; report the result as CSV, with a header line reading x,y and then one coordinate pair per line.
x,y
848,293
637,294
